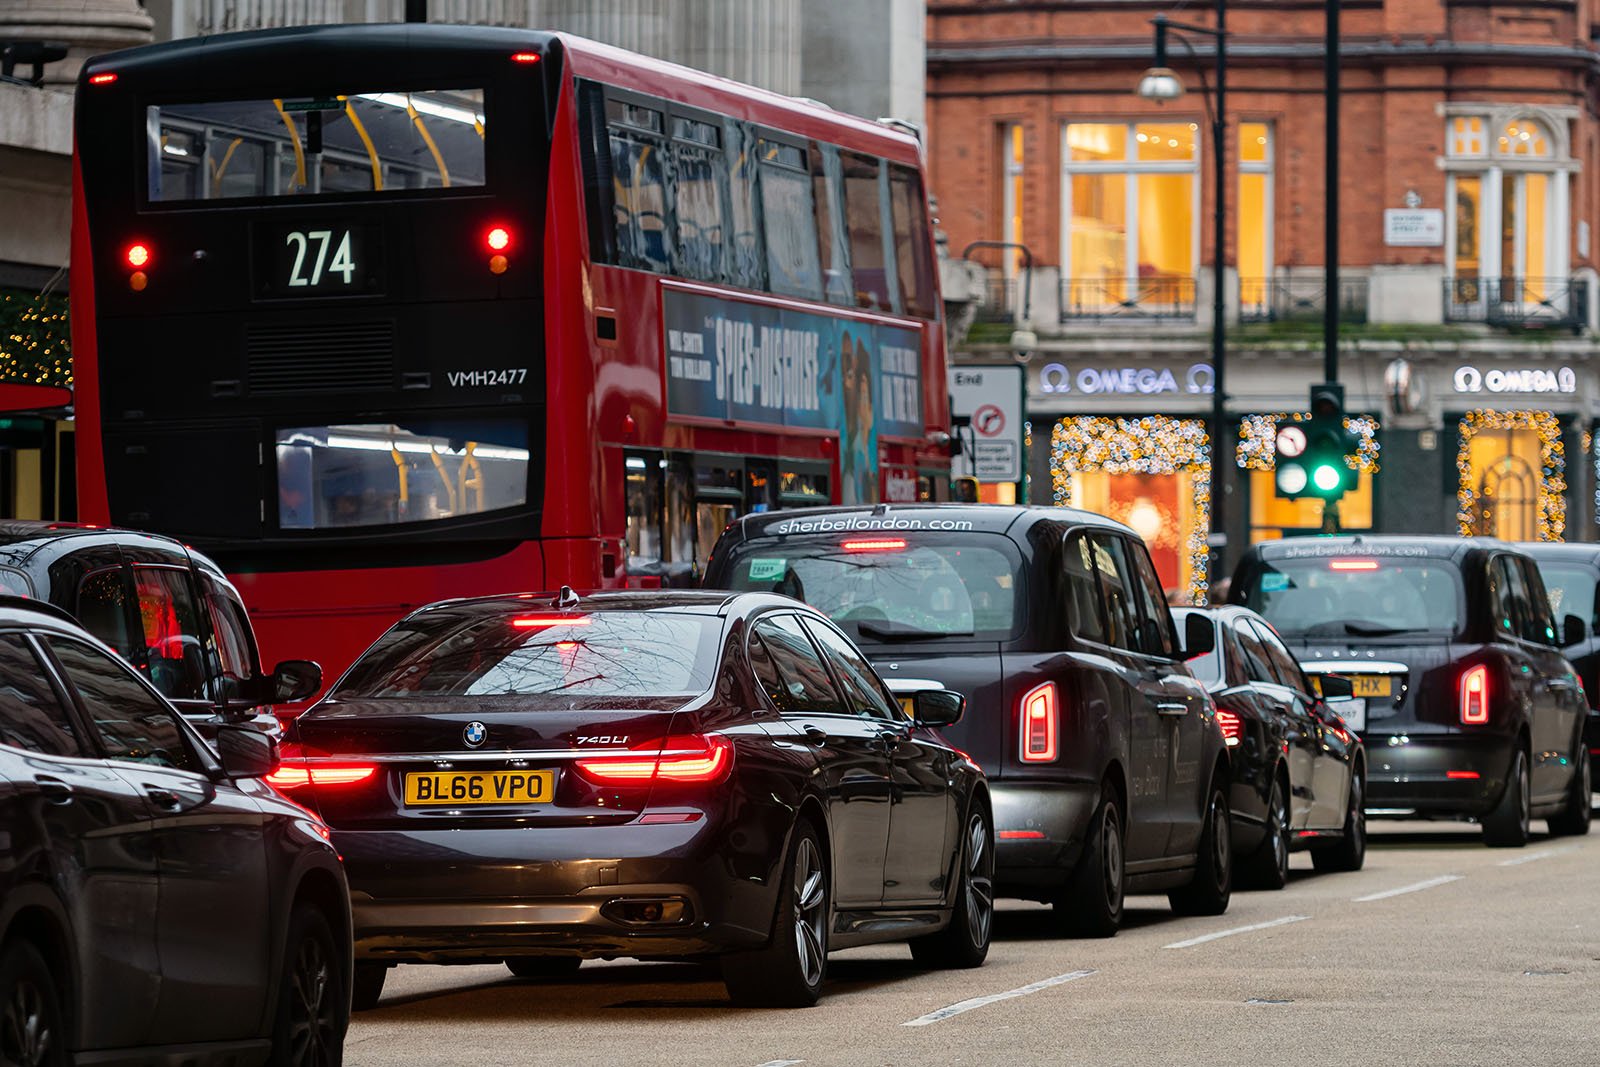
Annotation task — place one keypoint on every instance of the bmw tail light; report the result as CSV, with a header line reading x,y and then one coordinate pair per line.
x,y
695,758
1474,689
1040,723
1232,728
295,774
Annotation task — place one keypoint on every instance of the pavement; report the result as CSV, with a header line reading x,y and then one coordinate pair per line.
x,y
1440,951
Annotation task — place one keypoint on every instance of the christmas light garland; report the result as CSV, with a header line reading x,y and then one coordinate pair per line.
x,y
1258,435
34,343
1552,464
1153,444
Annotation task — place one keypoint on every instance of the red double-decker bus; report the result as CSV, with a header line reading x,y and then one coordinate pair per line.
x,y
377,315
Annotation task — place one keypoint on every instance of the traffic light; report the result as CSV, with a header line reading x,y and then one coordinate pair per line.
x,y
1317,457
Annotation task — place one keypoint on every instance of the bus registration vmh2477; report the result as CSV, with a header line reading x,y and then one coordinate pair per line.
x,y
377,315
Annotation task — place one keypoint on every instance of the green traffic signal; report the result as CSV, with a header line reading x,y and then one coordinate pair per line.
x,y
1327,478
1317,456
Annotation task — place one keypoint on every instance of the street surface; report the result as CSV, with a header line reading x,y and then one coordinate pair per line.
x,y
1440,951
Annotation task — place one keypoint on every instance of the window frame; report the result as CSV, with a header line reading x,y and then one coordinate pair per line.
x,y
773,617
813,623
88,743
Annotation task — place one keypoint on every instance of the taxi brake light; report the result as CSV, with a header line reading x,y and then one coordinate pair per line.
x,y
876,544
1461,775
1475,695
1039,724
525,57
1353,565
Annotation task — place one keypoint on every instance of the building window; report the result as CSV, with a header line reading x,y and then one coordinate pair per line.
x,y
1131,201
1508,213
1255,216
1011,230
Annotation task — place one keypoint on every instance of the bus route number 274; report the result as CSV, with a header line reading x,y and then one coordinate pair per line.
x,y
311,263
306,262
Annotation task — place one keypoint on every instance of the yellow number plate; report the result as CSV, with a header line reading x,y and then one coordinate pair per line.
x,y
463,788
909,706
1371,685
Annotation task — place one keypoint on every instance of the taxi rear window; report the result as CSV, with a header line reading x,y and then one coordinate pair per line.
x,y
893,587
1357,597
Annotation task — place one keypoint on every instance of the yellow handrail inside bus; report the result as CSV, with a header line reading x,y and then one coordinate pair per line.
x,y
222,164
477,124
422,128
405,489
372,153
469,462
294,139
450,490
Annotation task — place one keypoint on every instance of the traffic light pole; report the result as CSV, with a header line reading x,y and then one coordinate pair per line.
x,y
1330,208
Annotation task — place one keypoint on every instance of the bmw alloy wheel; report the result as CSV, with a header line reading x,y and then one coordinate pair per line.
x,y
810,920
313,1017
980,880
26,1038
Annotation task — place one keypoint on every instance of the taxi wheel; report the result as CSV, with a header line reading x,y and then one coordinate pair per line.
x,y
788,972
1574,818
367,986
32,1030
1092,903
965,941
1507,825
313,1011
1212,887
544,966
1268,866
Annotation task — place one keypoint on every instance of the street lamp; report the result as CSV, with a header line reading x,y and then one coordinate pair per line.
x,y
1161,84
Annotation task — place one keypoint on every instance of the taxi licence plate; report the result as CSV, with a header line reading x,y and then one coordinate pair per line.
x,y
463,788
1371,685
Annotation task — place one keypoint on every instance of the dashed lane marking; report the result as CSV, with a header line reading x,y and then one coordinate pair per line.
x,y
1203,938
1415,887
780,1063
994,998
1542,854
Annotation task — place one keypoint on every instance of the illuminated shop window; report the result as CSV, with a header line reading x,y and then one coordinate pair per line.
x,y
1512,470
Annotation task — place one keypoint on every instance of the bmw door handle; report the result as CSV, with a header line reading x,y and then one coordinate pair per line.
x,y
816,736
55,790
162,798
1172,711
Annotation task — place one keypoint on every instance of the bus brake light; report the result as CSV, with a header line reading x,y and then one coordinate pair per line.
x,y
525,57
138,255
104,78
498,239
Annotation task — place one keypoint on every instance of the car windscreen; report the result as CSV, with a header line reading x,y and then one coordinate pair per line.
x,y
1572,592
892,588
598,654
1363,597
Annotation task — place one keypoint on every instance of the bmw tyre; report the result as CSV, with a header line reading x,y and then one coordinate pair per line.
x,y
1212,887
1349,853
965,941
313,1007
32,1030
788,972
1092,903
1268,866
1507,825
1573,820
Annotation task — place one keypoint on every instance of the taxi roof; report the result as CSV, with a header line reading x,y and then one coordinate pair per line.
x,y
1392,546
1011,519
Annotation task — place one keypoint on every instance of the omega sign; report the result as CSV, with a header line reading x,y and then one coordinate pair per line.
x,y
1056,378
1494,380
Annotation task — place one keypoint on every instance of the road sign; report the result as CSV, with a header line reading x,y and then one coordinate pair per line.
x,y
992,398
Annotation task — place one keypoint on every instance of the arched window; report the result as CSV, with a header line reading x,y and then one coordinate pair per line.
x,y
1508,218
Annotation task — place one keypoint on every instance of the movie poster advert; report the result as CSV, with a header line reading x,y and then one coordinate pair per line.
x,y
728,359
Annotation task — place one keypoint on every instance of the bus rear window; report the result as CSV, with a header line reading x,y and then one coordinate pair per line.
x,y
362,143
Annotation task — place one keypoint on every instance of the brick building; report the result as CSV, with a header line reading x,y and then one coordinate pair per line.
x,y
1469,192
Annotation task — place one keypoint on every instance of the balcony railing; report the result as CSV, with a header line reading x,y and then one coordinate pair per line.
x,y
1169,299
999,299
1299,299
1518,303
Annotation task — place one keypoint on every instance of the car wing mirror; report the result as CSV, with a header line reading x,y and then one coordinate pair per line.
x,y
293,680
1335,687
1199,635
246,752
938,707
1573,631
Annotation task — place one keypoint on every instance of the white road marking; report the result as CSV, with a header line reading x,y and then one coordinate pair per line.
x,y
1203,938
780,1063
994,998
1415,887
1540,855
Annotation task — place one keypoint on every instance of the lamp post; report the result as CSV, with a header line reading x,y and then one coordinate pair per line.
x,y
1160,84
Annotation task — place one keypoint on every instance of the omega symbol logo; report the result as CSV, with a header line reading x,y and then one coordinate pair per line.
x,y
474,734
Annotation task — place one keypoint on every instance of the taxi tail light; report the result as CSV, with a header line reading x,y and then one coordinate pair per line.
x,y
698,759
1474,692
1040,709
1232,728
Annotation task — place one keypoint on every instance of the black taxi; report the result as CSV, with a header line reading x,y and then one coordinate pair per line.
x,y
1107,768
1461,694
